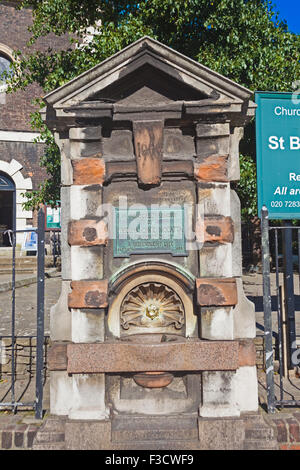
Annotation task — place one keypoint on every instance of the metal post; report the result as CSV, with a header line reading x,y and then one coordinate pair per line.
x,y
267,309
289,289
279,316
298,233
40,315
13,322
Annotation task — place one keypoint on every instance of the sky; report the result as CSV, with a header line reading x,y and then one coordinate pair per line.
x,y
289,10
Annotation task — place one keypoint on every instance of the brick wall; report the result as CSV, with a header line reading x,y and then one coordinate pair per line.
x,y
15,109
288,430
28,154
15,113
18,436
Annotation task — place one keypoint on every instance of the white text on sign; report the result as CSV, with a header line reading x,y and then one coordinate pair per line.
x,y
276,143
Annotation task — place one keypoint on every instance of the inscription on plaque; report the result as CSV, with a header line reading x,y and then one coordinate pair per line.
x,y
149,230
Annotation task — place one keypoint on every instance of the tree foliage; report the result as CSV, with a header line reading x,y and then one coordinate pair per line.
x,y
246,187
241,39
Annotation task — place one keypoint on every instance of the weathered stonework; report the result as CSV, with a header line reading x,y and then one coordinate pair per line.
x,y
135,357
88,294
148,142
211,168
88,171
158,324
87,233
216,292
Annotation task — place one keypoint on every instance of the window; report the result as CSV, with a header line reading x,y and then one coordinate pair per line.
x,y
5,62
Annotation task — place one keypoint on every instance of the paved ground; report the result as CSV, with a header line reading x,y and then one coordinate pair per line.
x,y
253,290
26,298
25,325
7,277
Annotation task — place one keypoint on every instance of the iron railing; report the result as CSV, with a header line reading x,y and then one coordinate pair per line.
x,y
281,253
37,404
55,243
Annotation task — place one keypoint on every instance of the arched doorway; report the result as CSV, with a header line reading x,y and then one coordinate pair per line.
x,y
7,207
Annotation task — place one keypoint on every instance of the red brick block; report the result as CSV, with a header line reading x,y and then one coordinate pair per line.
x,y
88,171
19,439
282,435
57,356
6,440
30,437
215,229
87,232
247,353
289,447
212,168
216,292
88,294
294,432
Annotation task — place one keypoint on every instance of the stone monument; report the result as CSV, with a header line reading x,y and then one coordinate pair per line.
x,y
152,332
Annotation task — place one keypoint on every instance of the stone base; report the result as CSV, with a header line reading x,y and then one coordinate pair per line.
x,y
180,432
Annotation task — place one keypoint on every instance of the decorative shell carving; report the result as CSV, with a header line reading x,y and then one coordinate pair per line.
x,y
152,305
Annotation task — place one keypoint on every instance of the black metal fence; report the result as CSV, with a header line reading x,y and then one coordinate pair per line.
x,y
37,404
281,254
55,243
251,244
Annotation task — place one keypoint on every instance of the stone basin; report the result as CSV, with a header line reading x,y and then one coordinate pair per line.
x,y
153,379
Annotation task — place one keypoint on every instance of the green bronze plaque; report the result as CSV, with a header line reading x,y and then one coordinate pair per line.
x,y
149,230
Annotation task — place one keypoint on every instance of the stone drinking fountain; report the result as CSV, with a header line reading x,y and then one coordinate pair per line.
x,y
153,328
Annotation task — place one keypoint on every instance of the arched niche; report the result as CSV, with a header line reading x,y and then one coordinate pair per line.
x,y
161,295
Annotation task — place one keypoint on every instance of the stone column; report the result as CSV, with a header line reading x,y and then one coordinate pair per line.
x,y
83,237
222,392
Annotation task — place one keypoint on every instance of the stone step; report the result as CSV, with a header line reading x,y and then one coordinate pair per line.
x,y
54,423
259,433
49,436
18,270
50,446
18,258
7,252
261,445
19,261
156,445
135,429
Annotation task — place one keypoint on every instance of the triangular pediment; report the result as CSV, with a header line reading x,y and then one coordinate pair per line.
x,y
148,85
150,71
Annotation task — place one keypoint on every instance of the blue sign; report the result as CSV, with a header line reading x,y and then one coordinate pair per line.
x,y
30,241
278,154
